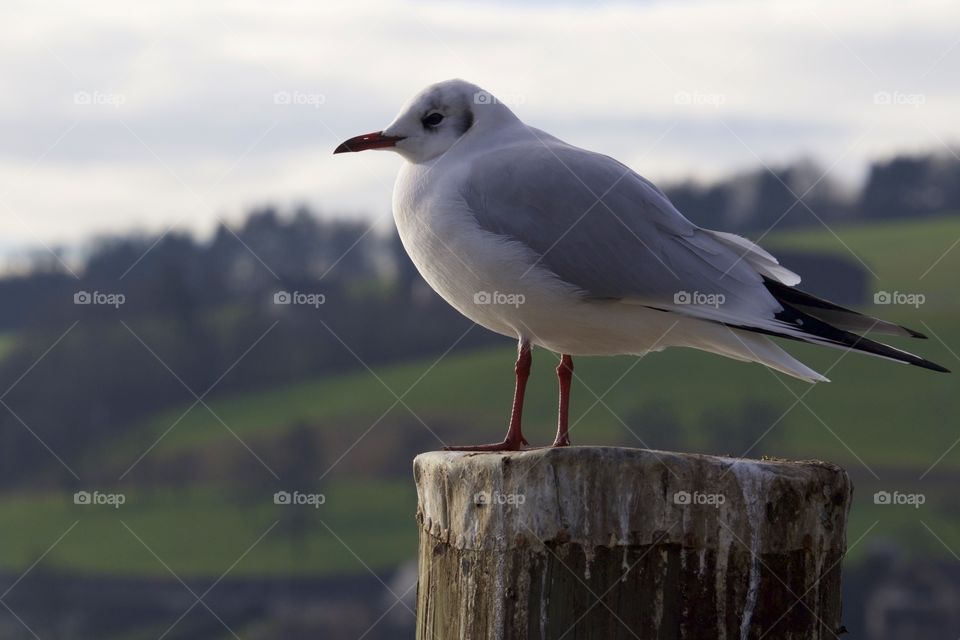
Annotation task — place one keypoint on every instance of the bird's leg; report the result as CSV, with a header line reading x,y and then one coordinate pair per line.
x,y
564,376
514,439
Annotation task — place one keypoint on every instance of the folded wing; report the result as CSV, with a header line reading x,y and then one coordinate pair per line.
x,y
600,226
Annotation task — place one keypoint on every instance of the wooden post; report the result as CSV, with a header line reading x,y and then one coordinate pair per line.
x,y
605,543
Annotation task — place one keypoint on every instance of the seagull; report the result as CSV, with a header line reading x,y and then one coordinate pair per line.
x,y
572,251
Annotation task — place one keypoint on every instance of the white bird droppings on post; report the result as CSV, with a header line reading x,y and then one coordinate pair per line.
x,y
601,512
753,487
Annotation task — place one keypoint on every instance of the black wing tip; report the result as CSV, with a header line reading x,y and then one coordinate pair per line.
x,y
815,328
914,334
864,344
793,296
932,366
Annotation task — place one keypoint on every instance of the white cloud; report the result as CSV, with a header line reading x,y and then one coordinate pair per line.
x,y
193,86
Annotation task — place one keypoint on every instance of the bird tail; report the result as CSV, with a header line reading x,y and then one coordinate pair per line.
x,y
751,347
817,321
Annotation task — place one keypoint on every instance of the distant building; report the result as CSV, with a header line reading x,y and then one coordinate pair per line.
x,y
835,277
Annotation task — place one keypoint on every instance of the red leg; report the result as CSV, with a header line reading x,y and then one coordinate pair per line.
x,y
564,376
514,440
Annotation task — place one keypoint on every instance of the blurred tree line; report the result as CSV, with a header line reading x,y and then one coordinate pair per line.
x,y
904,186
201,314
198,307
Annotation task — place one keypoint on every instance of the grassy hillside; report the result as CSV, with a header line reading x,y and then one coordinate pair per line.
x,y
204,532
921,257
467,395
886,423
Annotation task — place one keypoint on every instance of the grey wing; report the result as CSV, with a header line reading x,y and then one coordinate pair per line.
x,y
605,229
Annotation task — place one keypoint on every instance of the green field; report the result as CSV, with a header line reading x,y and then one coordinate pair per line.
x,y
868,405
204,532
886,423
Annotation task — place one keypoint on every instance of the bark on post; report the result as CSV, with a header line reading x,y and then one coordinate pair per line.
x,y
599,542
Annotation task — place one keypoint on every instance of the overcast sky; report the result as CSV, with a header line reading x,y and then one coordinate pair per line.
x,y
134,115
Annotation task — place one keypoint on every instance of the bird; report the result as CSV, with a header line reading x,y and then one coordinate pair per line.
x,y
572,251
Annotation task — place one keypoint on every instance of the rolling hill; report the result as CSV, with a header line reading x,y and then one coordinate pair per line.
x,y
886,423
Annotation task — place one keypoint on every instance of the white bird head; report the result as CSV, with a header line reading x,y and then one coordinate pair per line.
x,y
435,120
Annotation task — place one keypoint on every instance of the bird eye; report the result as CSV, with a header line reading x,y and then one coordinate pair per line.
x,y
432,119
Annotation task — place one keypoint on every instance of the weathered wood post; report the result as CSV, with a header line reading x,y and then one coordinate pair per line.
x,y
598,542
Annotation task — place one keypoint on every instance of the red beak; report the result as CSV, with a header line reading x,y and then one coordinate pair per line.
x,y
374,140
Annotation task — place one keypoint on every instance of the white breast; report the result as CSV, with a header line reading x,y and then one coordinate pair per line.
x,y
493,281
499,284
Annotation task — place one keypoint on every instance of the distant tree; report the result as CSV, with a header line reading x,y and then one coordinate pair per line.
x,y
912,186
763,199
